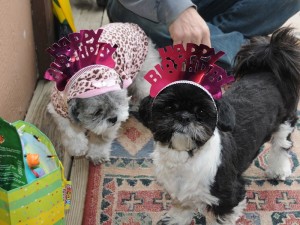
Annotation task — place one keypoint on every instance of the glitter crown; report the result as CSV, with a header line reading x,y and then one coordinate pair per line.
x,y
195,63
76,52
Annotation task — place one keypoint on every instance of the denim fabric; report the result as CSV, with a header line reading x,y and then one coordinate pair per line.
x,y
231,22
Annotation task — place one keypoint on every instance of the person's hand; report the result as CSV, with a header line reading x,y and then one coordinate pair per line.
x,y
189,27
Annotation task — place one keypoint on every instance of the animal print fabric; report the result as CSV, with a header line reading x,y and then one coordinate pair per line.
x,y
93,80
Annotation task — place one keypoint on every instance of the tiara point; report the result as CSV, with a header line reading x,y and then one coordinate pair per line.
x,y
195,63
75,52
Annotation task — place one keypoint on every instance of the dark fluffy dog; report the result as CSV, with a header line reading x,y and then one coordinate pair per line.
x,y
204,146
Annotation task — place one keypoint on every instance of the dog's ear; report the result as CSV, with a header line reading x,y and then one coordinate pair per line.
x,y
145,111
73,110
226,115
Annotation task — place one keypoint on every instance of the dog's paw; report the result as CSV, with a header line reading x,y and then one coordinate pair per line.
x,y
177,215
279,165
281,174
97,159
177,220
287,144
78,151
76,146
166,220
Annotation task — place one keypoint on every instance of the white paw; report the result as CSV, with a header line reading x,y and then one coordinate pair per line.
x,y
165,220
286,144
279,164
97,158
177,216
99,149
77,146
168,220
279,174
79,152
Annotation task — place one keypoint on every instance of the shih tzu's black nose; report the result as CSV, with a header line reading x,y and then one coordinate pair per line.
x,y
185,117
113,120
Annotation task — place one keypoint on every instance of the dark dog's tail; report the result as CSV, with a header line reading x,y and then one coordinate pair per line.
x,y
280,55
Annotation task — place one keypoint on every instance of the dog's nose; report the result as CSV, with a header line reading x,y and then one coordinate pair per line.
x,y
185,117
113,120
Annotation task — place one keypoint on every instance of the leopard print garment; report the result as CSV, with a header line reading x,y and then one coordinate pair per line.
x,y
129,56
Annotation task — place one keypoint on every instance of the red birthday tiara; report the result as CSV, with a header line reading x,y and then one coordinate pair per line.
x,y
196,63
76,52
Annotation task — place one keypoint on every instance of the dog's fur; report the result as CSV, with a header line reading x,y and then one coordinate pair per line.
x,y
94,121
200,156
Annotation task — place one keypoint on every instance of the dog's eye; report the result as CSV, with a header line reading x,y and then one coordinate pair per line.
x,y
201,114
97,113
171,108
168,108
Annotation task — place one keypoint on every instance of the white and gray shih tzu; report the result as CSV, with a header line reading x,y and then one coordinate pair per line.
x,y
95,71
203,145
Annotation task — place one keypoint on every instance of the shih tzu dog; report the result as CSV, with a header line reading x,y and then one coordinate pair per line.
x,y
204,143
95,71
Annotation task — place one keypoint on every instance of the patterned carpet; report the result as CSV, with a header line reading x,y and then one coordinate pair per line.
x,y
124,190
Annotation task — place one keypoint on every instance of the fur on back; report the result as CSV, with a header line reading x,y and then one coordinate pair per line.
x,y
279,55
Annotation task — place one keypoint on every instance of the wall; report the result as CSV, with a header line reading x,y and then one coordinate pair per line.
x,y
17,59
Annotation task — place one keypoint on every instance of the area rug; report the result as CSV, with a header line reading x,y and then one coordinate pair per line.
x,y
124,191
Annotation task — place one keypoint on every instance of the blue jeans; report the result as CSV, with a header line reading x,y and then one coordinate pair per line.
x,y
231,22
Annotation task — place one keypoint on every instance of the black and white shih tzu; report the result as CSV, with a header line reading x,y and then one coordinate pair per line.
x,y
203,145
98,74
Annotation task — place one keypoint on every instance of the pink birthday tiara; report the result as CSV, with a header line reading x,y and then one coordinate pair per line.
x,y
195,63
76,52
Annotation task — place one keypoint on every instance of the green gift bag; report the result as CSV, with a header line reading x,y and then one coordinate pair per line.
x,y
41,201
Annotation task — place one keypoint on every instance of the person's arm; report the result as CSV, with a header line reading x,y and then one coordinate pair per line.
x,y
184,22
163,11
